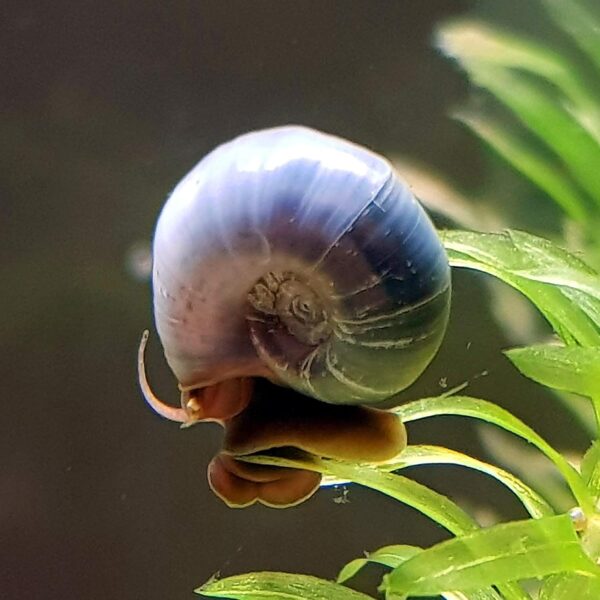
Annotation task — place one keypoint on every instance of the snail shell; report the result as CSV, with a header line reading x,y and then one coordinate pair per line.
x,y
299,257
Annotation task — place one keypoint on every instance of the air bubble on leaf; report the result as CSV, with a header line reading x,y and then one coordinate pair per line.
x,y
578,518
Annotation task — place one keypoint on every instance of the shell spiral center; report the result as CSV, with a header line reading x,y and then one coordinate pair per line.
x,y
291,301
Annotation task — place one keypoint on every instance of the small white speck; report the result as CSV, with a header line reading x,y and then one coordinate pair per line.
x,y
343,497
138,260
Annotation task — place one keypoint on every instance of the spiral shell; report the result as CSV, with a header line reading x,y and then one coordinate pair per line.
x,y
299,257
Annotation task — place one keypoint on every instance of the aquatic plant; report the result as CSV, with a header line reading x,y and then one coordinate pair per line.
x,y
560,550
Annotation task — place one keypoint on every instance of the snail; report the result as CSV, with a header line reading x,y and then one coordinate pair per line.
x,y
298,288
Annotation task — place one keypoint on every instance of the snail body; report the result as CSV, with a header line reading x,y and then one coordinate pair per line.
x,y
298,257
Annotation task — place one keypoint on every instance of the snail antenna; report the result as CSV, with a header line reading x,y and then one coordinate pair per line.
x,y
164,410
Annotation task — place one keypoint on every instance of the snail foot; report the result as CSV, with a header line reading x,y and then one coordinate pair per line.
x,y
240,484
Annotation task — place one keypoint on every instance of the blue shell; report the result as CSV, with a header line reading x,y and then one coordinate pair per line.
x,y
295,205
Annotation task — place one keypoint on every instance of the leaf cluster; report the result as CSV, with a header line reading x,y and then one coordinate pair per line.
x,y
549,128
559,550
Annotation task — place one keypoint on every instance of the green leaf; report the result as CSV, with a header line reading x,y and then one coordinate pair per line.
x,y
570,586
516,71
568,368
588,305
277,586
551,122
484,51
503,553
544,173
423,455
480,48
525,461
394,556
527,256
430,503
417,455
580,22
543,261
388,556
550,277
486,411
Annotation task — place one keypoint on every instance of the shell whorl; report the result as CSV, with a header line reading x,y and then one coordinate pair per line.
x,y
296,255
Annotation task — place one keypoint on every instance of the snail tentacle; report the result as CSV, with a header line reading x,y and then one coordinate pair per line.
x,y
167,411
214,403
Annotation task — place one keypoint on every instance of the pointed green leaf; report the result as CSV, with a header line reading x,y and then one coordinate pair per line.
x,y
486,411
563,288
527,256
394,556
430,503
503,553
568,368
426,455
543,172
277,586
388,556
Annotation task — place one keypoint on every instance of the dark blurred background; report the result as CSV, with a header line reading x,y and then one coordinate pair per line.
x,y
104,106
